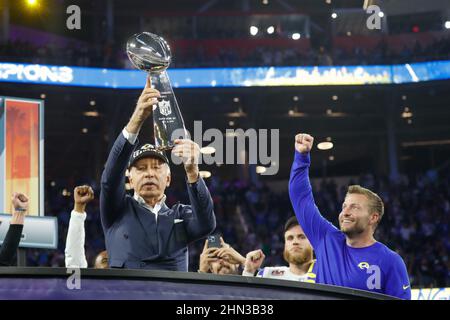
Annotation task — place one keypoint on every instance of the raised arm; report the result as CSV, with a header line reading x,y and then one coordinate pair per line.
x,y
300,193
113,178
199,217
12,238
74,251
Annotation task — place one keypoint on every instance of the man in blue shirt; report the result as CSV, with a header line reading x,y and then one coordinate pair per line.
x,y
349,257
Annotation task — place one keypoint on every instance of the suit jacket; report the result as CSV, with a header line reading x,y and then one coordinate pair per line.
x,y
134,237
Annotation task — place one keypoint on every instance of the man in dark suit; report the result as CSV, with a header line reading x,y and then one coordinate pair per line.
x,y
141,232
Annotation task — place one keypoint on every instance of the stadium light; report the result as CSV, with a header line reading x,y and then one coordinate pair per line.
x,y
253,30
32,3
447,24
270,30
205,174
208,150
407,113
334,15
260,169
326,145
91,114
296,36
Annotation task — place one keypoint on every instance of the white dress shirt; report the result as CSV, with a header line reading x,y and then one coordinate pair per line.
x,y
154,209
131,137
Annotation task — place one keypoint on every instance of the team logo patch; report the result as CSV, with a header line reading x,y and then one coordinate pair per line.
x,y
363,265
277,272
142,149
164,107
147,146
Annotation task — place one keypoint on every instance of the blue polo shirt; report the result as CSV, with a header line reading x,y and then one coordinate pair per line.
x,y
374,268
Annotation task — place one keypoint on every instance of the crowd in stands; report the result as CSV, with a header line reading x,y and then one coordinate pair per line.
x,y
115,56
249,217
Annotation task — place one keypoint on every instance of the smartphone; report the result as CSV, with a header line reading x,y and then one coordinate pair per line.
x,y
214,241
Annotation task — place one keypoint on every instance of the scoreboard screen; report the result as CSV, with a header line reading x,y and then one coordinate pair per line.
x,y
21,152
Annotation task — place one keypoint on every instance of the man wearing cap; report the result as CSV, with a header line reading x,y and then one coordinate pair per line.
x,y
141,232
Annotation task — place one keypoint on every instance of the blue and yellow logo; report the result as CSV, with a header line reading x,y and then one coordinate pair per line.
x,y
363,265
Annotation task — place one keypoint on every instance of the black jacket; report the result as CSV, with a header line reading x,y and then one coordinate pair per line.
x,y
10,244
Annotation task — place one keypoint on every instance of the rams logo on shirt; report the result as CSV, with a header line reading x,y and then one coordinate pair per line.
x,y
363,265
277,272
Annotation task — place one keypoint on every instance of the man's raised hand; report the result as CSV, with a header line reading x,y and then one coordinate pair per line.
x,y
253,261
82,195
144,108
303,142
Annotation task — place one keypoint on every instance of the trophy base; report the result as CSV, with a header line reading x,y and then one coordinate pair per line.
x,y
166,147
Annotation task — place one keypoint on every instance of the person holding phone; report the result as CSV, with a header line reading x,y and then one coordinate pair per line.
x,y
219,257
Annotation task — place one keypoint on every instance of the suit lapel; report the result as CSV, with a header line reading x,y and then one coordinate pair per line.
x,y
148,222
165,225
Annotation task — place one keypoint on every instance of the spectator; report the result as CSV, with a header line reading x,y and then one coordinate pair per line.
x,y
223,260
298,253
11,242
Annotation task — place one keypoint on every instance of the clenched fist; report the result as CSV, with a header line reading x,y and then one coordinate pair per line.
x,y
303,142
82,195
253,261
20,203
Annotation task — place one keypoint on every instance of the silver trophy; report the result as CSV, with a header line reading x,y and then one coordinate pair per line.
x,y
151,53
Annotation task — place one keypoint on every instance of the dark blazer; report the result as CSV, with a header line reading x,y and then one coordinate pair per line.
x,y
133,238
10,244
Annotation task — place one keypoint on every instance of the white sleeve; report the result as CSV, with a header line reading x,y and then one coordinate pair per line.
x,y
247,274
74,252
131,137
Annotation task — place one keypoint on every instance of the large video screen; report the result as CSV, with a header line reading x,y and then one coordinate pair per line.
x,y
228,77
21,157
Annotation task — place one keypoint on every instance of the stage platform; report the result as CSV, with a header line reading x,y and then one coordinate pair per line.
x,y
93,284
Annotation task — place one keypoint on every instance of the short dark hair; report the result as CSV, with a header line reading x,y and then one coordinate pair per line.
x,y
290,223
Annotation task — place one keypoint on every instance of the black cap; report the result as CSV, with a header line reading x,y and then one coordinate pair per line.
x,y
147,150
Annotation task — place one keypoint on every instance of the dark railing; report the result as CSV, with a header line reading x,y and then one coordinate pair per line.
x,y
94,284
